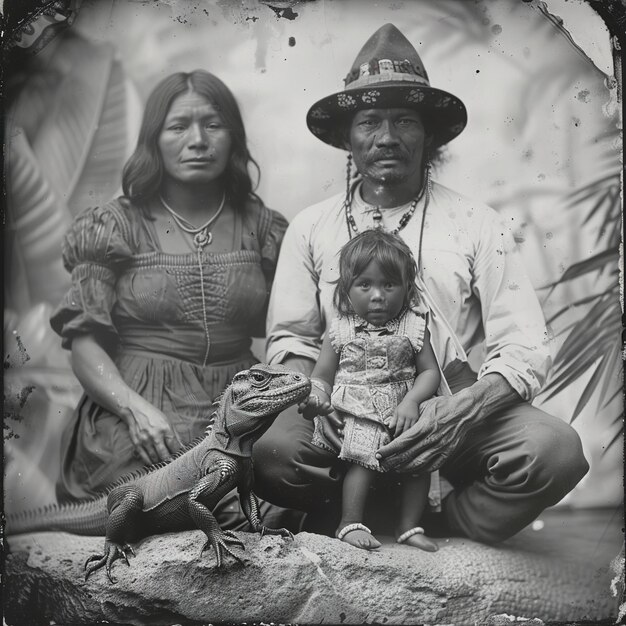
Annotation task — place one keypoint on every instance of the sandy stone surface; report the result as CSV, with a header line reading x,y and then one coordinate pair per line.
x,y
312,580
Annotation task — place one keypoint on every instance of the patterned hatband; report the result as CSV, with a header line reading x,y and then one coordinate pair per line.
x,y
387,73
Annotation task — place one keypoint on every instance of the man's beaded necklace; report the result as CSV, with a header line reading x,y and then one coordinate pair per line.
x,y
378,216
404,220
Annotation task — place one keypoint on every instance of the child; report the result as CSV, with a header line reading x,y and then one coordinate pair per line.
x,y
377,359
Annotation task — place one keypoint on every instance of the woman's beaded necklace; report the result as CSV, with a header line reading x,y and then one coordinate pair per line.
x,y
202,237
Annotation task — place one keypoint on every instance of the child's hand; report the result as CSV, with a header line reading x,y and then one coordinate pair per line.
x,y
404,417
317,403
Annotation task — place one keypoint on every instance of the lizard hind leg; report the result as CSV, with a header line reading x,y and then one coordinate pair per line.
x,y
124,506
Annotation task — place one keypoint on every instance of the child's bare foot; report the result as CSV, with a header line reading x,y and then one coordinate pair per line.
x,y
415,537
359,536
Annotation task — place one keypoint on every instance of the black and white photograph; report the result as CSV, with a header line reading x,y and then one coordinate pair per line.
x,y
242,238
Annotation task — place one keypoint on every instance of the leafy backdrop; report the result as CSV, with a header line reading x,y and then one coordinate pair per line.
x,y
542,147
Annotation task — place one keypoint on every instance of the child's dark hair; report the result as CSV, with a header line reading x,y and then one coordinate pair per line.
x,y
392,255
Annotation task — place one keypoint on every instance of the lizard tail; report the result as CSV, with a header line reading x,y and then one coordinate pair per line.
x,y
86,517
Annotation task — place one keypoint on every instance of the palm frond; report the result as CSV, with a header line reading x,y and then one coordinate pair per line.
x,y
594,187
578,303
593,342
609,399
594,263
590,389
585,344
619,431
612,363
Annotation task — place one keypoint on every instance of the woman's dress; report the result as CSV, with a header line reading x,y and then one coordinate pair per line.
x,y
145,307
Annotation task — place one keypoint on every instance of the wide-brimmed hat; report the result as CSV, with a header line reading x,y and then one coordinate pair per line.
x,y
388,73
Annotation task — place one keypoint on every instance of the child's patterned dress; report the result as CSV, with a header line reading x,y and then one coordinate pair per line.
x,y
376,369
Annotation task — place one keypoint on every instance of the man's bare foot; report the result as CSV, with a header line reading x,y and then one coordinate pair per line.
x,y
359,536
418,540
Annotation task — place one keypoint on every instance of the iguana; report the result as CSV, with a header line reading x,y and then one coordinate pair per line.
x,y
179,494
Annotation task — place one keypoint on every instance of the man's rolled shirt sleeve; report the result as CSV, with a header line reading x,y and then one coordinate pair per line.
x,y
516,338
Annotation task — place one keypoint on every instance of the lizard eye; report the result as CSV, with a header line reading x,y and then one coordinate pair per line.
x,y
258,378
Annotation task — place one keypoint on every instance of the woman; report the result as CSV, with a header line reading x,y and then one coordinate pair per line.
x,y
169,283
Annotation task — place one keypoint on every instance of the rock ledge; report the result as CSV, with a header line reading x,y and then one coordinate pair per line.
x,y
312,579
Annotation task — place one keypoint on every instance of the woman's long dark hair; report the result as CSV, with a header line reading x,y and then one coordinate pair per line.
x,y
392,255
143,172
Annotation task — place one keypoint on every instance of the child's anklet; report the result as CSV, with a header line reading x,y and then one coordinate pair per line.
x,y
350,527
417,530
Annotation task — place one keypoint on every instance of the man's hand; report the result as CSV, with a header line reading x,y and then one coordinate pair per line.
x,y
443,424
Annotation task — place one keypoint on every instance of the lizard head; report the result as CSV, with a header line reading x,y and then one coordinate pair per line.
x,y
265,390
253,400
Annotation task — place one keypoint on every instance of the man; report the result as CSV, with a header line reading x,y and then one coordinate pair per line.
x,y
506,460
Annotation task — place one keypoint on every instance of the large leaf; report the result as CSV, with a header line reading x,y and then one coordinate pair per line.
x,y
71,157
99,176
38,222
65,138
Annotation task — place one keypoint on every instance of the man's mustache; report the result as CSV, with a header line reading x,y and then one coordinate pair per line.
x,y
379,155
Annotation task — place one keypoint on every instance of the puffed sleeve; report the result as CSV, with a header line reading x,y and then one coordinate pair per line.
x,y
272,227
94,250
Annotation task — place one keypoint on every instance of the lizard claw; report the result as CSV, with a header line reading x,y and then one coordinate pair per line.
x,y
220,545
112,552
231,535
100,561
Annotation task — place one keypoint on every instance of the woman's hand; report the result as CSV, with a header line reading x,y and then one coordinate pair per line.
x,y
150,431
404,417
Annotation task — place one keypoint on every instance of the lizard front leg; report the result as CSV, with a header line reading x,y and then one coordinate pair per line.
x,y
124,507
208,491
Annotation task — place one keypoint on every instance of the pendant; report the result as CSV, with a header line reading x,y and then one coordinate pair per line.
x,y
203,238
378,218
